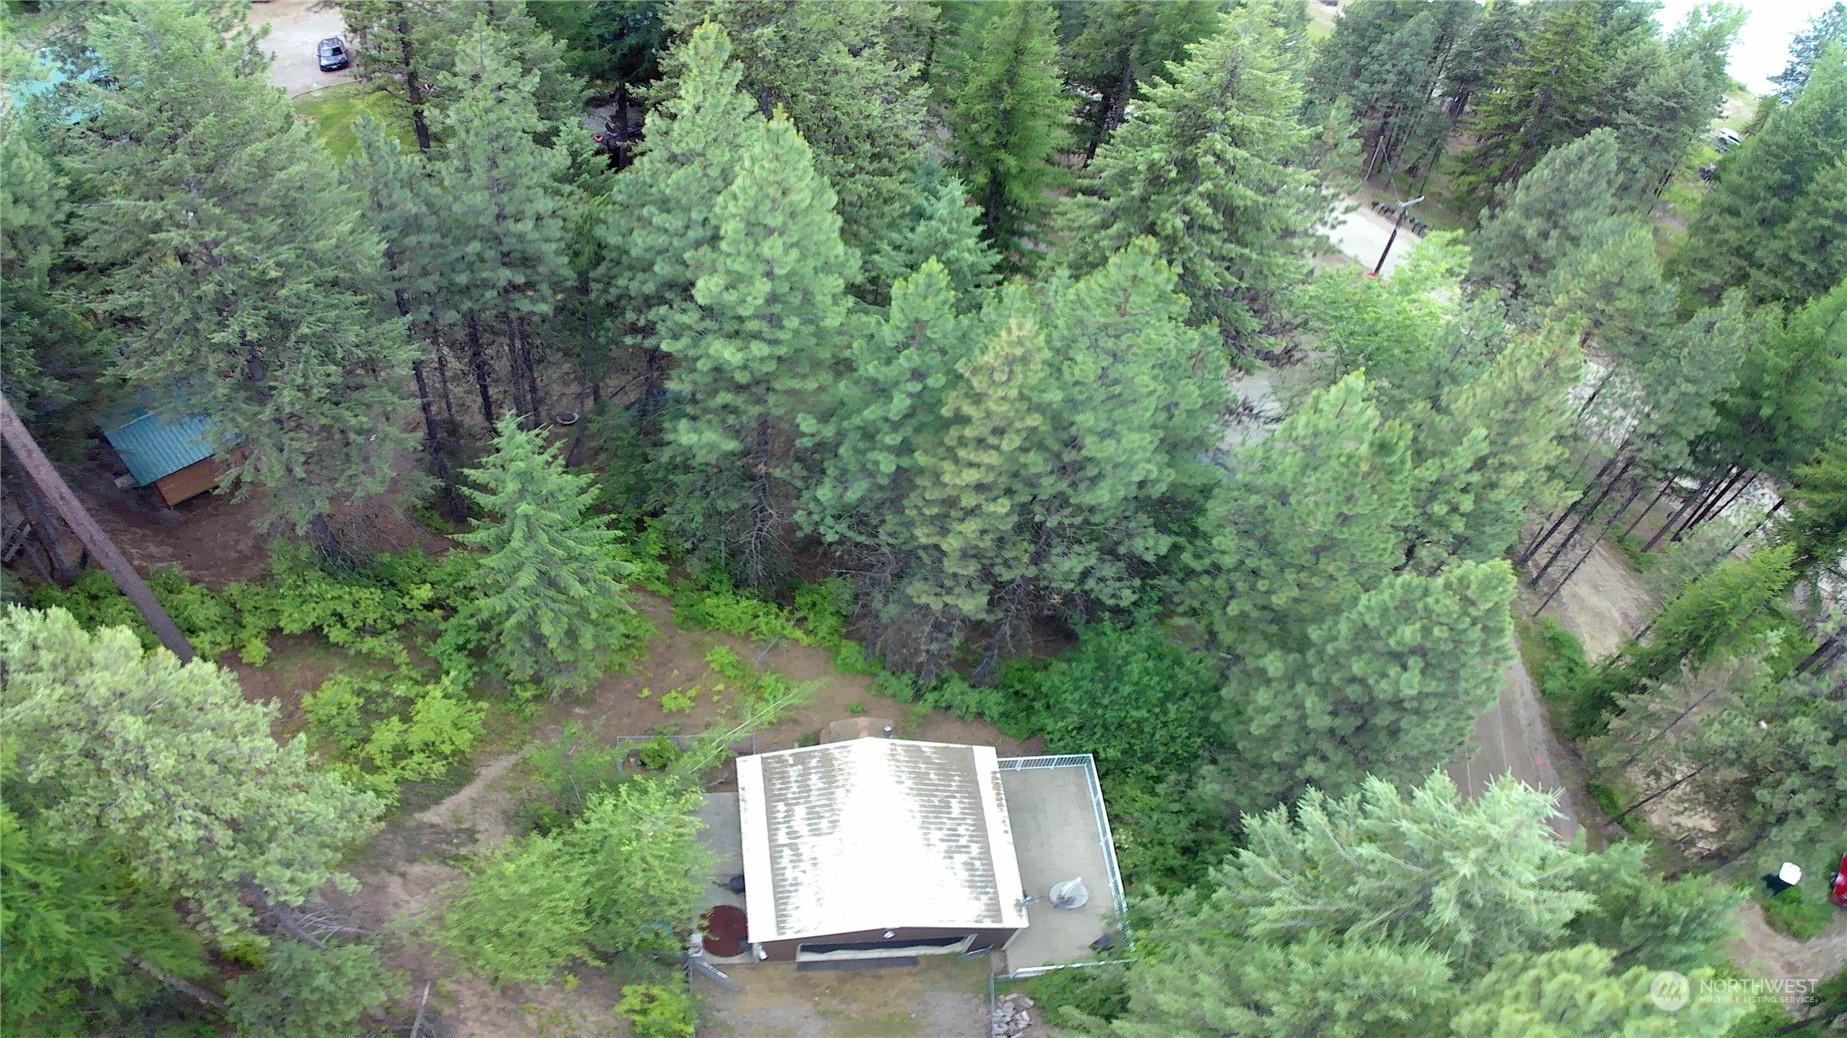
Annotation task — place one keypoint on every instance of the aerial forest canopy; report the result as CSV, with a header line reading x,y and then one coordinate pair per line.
x,y
1265,397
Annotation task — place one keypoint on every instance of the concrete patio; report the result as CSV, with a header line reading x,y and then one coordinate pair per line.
x,y
1054,806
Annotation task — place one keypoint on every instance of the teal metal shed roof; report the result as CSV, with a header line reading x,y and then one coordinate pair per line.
x,y
157,439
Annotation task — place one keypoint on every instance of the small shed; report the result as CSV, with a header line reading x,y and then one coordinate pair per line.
x,y
169,443
877,849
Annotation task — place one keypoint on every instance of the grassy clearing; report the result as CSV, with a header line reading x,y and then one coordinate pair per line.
x,y
335,109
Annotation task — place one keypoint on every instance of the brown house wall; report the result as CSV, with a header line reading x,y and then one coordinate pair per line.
x,y
196,478
784,951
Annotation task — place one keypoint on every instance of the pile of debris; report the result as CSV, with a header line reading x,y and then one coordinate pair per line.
x,y
1013,1015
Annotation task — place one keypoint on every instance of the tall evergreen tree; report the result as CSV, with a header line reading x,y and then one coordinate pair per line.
x,y
1204,168
1557,88
1564,201
1571,991
1764,185
1472,879
940,225
169,767
504,244
885,409
236,265
1016,514
754,353
1827,27
548,594
73,916
1124,45
1008,120
48,355
1670,91
838,72
1388,60
663,205
1303,522
1389,687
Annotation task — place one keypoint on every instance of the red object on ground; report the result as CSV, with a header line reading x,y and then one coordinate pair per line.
x,y
725,928
1839,893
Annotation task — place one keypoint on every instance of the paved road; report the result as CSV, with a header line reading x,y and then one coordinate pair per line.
x,y
294,30
1362,234
1512,738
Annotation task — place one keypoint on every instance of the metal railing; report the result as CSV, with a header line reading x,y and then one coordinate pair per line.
x,y
1106,840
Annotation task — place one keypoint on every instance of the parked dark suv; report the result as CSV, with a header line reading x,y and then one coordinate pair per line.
x,y
334,55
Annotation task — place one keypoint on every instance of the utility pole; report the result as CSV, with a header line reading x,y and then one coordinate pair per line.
x,y
38,469
1387,251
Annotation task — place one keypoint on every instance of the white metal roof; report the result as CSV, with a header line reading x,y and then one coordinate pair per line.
x,y
871,834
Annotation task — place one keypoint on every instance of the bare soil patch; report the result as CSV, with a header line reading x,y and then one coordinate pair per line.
x,y
1604,602
936,999
411,869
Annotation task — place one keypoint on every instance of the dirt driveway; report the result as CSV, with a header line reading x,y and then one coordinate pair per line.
x,y
295,27
937,999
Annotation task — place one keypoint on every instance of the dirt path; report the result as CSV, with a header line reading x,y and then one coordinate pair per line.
x,y
1512,738
1763,952
1603,603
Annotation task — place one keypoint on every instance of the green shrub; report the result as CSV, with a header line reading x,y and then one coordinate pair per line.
x,y
566,771
1563,666
306,992
383,733
1100,992
658,1010
1796,914
209,620
658,753
715,605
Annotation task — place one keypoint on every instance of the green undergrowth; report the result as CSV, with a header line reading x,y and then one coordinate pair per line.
x,y
1796,913
817,617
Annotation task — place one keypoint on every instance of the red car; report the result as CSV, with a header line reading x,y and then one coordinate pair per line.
x,y
1839,893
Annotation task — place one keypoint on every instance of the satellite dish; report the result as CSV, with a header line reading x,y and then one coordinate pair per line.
x,y
1070,894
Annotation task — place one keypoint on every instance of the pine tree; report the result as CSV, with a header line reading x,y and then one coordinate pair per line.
x,y
169,767
661,211
307,992
48,355
1829,26
1388,61
885,409
1817,522
1216,192
1646,920
1474,880
973,487
504,246
1128,44
1670,91
1571,991
234,263
1415,334
1557,89
1303,522
1735,238
837,72
1809,255
1566,199
1486,455
1389,687
1314,988
770,304
1017,514
548,592
940,225
1008,120
71,914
